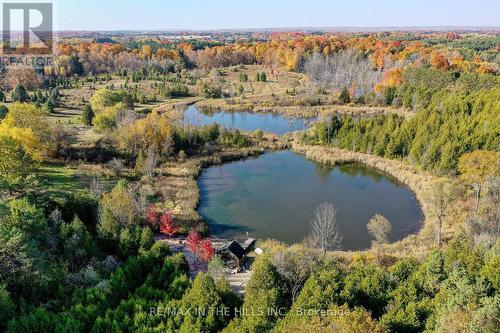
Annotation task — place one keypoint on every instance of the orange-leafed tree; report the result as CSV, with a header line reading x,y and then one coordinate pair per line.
x,y
152,216
167,225
378,59
193,241
206,250
391,78
439,61
486,68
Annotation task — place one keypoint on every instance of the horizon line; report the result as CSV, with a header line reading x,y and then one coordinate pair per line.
x,y
303,28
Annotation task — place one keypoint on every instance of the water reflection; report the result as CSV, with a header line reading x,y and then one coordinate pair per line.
x,y
246,121
274,196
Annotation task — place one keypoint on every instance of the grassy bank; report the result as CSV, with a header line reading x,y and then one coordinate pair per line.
x,y
294,111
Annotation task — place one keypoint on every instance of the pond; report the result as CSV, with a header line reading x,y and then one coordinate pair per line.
x,y
275,195
246,121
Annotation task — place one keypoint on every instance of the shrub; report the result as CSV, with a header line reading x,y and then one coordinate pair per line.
x,y
3,111
243,77
210,90
177,90
233,137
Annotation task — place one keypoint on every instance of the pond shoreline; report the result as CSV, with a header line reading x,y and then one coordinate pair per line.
x,y
180,177
274,196
245,121
418,181
298,111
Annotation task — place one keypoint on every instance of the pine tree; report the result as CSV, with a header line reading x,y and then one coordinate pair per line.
x,y
88,115
39,96
49,107
20,94
344,96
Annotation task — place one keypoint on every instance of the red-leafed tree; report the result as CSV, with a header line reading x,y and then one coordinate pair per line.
x,y
167,226
152,216
206,250
193,241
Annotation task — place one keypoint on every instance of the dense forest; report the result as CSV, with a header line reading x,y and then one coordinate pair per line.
x,y
84,255
448,121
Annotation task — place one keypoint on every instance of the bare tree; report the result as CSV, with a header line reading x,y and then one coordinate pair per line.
x,y
95,63
441,196
317,68
23,75
485,227
325,233
116,165
345,69
379,227
125,117
168,146
150,162
492,211
295,264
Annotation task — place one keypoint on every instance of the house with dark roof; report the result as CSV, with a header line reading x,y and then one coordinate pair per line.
x,y
233,254
248,245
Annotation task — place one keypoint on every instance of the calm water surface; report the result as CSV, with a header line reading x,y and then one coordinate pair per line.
x,y
274,196
246,121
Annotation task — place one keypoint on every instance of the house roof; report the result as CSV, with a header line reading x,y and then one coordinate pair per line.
x,y
248,244
234,247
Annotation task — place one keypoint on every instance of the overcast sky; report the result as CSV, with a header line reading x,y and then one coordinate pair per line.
x,y
224,14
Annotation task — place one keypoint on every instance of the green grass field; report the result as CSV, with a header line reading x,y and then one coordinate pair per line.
x,y
61,179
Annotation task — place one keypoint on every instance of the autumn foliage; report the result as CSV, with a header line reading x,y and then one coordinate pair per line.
x,y
286,50
166,225
193,241
162,221
152,216
391,78
439,61
201,248
206,250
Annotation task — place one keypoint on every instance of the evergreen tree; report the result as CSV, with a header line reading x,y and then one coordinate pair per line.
x,y
88,115
54,96
344,97
3,111
39,96
240,89
389,95
49,107
19,94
